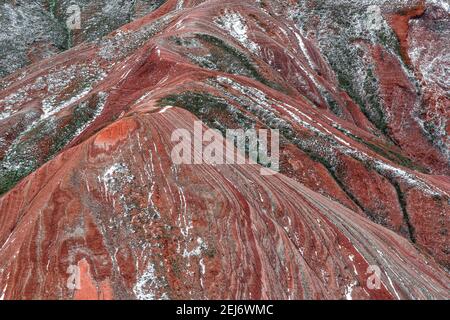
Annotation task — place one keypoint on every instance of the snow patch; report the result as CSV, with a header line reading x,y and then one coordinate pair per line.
x,y
147,285
444,4
304,50
196,251
2,297
349,290
234,23
165,109
115,176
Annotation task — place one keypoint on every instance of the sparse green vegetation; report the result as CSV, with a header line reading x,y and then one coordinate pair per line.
x,y
226,58
210,109
401,199
41,144
52,7
10,178
210,252
81,115
351,29
388,153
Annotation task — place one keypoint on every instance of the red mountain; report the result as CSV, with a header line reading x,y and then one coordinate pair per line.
x,y
357,91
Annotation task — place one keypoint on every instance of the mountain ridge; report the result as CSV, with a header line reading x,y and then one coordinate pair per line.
x,y
233,64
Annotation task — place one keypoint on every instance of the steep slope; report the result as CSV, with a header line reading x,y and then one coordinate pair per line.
x,y
430,64
50,34
232,64
367,43
139,226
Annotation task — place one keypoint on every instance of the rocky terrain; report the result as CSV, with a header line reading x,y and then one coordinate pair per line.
x,y
359,91
37,29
